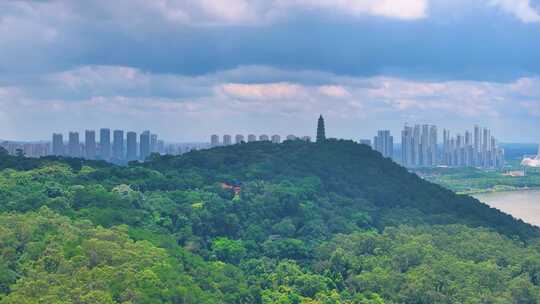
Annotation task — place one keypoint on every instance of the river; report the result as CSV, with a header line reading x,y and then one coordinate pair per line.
x,y
523,204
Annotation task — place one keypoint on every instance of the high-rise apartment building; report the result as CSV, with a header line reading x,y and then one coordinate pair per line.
x,y
227,140
144,145
276,139
214,140
477,142
131,145
264,137
433,149
58,144
90,147
252,138
118,144
419,146
74,146
153,143
238,138
160,146
384,143
291,137
407,144
445,157
105,143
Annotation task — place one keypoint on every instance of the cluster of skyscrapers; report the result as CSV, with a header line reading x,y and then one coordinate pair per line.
x,y
477,149
120,147
239,138
29,149
420,148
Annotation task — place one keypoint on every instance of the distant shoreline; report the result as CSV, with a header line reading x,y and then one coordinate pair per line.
x,y
495,190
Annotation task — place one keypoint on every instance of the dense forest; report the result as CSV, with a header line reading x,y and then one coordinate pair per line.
x,y
297,222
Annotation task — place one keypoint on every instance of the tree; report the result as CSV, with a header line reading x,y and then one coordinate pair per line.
x,y
19,153
227,250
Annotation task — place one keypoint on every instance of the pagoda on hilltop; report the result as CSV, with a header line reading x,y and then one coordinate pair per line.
x,y
321,136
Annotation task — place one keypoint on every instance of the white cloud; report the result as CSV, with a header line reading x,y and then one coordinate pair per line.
x,y
144,14
270,92
522,9
400,9
533,106
123,97
96,77
259,11
230,11
335,91
462,98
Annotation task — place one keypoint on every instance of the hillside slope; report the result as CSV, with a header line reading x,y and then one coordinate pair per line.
x,y
389,193
263,223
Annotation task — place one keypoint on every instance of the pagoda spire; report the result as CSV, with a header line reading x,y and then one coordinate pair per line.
x,y
321,136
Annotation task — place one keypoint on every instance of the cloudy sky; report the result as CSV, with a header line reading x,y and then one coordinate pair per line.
x,y
189,68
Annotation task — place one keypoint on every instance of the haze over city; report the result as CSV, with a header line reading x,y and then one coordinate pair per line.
x,y
189,69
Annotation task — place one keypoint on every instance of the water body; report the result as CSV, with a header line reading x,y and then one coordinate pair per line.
x,y
523,204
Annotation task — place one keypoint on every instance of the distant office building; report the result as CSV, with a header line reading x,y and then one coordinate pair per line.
x,y
131,144
276,139
365,142
74,146
144,145
90,146
58,144
384,143
105,143
252,138
214,140
419,146
161,147
477,142
118,144
433,149
239,138
447,148
306,138
153,143
227,140
407,146
291,137
264,137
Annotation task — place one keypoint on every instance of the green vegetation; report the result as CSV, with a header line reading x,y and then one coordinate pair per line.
x,y
328,222
471,180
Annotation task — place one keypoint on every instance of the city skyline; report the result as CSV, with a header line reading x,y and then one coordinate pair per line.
x,y
420,146
269,67
246,133
121,148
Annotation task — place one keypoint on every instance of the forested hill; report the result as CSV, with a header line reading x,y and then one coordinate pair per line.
x,y
347,177
256,223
